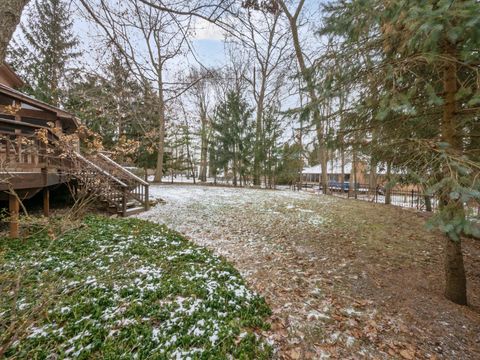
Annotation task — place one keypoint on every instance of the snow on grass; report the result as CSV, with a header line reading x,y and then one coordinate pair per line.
x,y
198,210
266,233
121,288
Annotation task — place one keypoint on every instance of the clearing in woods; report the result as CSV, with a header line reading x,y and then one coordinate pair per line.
x,y
344,278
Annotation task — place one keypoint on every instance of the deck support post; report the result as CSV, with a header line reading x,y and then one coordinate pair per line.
x,y
14,208
46,202
147,200
124,201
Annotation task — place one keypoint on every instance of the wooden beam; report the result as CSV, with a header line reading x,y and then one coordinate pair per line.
x,y
30,180
46,202
14,208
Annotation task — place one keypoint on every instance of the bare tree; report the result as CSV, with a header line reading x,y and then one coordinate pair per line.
x,y
147,38
308,78
201,92
268,43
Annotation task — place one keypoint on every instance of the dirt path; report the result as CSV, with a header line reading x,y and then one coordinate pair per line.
x,y
345,279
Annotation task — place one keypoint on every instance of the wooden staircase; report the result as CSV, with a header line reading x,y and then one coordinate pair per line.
x,y
30,162
123,192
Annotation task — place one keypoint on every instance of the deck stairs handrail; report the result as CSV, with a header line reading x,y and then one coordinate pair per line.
x,y
128,173
117,193
21,148
137,187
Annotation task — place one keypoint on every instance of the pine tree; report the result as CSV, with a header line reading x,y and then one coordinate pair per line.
x,y
416,67
234,136
291,164
46,48
270,149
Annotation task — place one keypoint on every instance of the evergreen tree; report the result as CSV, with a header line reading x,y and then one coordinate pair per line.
x,y
270,149
234,137
416,70
120,109
291,164
46,49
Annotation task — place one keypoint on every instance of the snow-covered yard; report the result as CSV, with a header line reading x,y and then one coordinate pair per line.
x,y
342,277
124,289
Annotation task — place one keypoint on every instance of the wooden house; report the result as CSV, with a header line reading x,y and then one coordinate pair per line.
x,y
30,163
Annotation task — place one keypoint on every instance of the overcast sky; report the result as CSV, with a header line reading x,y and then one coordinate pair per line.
x,y
207,43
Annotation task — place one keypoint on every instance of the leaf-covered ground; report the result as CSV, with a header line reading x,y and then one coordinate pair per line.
x,y
345,279
124,288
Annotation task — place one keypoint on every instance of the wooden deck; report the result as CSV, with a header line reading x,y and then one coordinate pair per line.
x,y
36,155
30,164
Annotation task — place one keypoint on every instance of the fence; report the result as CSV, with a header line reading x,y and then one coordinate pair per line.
x,y
404,198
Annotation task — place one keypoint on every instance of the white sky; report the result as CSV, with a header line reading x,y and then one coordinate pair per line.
x,y
207,42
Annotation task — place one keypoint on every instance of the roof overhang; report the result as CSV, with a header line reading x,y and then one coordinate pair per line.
x,y
7,71
61,114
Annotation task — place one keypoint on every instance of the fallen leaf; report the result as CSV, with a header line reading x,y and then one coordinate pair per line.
x,y
407,354
293,354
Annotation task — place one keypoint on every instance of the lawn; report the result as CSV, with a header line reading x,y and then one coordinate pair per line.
x,y
344,279
124,288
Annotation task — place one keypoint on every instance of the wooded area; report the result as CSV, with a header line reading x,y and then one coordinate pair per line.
x,y
393,83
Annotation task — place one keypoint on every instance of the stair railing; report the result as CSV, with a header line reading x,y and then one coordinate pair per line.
x,y
109,187
138,188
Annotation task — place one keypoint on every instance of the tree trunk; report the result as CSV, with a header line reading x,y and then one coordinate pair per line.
x,y
322,155
309,81
455,279
258,135
190,161
10,14
354,169
388,189
372,179
234,165
203,146
212,165
161,129
342,159
428,202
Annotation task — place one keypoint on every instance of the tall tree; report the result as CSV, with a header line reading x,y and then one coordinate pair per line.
x,y
307,75
428,64
45,49
201,93
148,38
234,136
267,40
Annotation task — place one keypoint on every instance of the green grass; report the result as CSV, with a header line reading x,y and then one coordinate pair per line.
x,y
124,288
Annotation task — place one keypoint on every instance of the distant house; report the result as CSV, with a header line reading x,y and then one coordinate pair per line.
x,y
361,177
335,172
30,162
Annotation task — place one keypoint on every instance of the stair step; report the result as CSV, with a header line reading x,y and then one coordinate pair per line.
x,y
121,184
129,204
132,211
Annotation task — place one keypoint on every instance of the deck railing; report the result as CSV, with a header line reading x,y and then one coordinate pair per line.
x,y
138,188
23,149
27,152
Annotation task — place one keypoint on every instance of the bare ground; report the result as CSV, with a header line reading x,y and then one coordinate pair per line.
x,y
344,278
